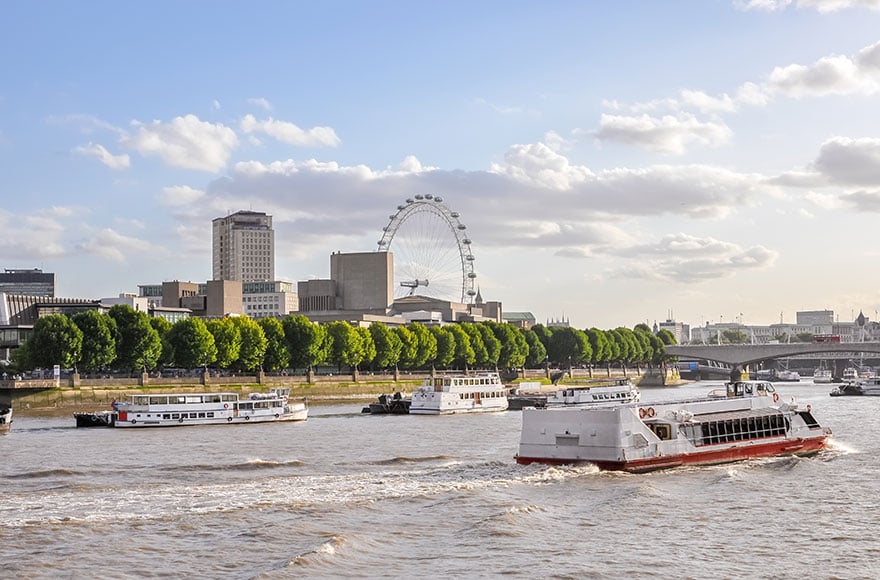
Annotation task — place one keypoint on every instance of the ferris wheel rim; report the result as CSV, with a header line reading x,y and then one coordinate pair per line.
x,y
435,205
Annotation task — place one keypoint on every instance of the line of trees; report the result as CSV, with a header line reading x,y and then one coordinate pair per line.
x,y
128,340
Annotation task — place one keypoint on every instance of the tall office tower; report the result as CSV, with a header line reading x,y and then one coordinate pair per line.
x,y
244,247
27,282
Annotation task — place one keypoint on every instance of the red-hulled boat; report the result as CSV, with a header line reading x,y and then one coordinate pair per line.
x,y
751,421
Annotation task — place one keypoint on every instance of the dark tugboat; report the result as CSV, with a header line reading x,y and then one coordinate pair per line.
x,y
97,419
389,405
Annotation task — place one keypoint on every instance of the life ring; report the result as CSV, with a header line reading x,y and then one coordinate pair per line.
x,y
775,397
133,421
642,413
180,420
229,419
225,405
650,412
247,418
276,415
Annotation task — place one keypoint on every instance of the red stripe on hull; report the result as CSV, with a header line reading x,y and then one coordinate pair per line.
x,y
708,457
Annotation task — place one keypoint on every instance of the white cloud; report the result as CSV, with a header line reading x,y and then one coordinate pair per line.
x,y
290,133
863,201
260,102
101,154
830,75
32,237
114,246
822,6
685,258
216,105
180,195
185,142
540,165
850,161
669,134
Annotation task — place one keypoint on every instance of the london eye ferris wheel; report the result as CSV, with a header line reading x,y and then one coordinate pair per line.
x,y
431,249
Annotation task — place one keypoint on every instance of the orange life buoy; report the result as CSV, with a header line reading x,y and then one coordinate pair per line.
x,y
642,413
225,405
775,397
650,411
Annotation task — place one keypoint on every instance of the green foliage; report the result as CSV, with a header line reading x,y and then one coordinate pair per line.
x,y
369,345
445,346
537,352
56,340
163,327
227,339
666,337
98,342
253,344
387,344
492,344
804,337
346,345
138,345
464,353
192,343
481,354
600,345
569,346
277,356
307,342
514,348
409,348
733,336
426,345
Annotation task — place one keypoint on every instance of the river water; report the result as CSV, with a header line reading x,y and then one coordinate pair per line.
x,y
352,495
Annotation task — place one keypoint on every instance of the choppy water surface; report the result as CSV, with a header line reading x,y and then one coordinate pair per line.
x,y
352,495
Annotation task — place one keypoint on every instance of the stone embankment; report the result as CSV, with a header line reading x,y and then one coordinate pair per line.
x,y
41,397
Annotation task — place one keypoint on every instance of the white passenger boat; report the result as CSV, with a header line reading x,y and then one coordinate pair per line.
x,y
5,419
447,394
621,392
788,376
822,375
850,374
641,437
167,410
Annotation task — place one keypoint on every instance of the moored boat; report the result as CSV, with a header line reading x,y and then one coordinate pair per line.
x,y
641,437
787,376
865,387
394,404
5,419
623,391
850,374
823,375
96,419
447,394
167,410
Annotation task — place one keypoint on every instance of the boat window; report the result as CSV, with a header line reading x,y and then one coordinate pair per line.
x,y
201,415
210,413
166,416
175,415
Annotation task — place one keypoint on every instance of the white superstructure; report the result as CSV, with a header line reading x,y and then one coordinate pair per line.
x,y
172,410
446,394
623,392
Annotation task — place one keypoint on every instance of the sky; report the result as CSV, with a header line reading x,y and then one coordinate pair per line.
x,y
614,162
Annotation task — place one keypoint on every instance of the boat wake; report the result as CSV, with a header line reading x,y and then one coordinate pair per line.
x,y
319,555
250,465
405,460
45,473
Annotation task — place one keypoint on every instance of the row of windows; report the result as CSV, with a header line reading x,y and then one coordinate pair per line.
x,y
486,395
731,430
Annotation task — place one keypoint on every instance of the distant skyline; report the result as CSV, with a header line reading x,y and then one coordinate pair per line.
x,y
614,162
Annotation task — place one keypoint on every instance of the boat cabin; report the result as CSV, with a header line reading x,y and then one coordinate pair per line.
x,y
739,389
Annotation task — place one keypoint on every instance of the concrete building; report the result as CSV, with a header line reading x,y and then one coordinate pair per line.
x,y
214,299
815,317
364,281
33,282
814,323
680,330
244,247
264,299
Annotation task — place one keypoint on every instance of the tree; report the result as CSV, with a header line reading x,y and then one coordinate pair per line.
x,y
426,344
192,343
666,336
537,352
569,346
388,346
56,340
492,344
409,349
253,344
346,345
804,337
370,350
464,353
98,342
600,345
277,356
227,339
445,346
307,342
481,354
162,328
514,348
138,345
733,336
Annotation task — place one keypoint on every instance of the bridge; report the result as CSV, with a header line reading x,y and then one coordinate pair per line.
x,y
744,354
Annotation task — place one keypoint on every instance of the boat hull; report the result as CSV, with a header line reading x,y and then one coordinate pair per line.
x,y
799,447
100,419
130,420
